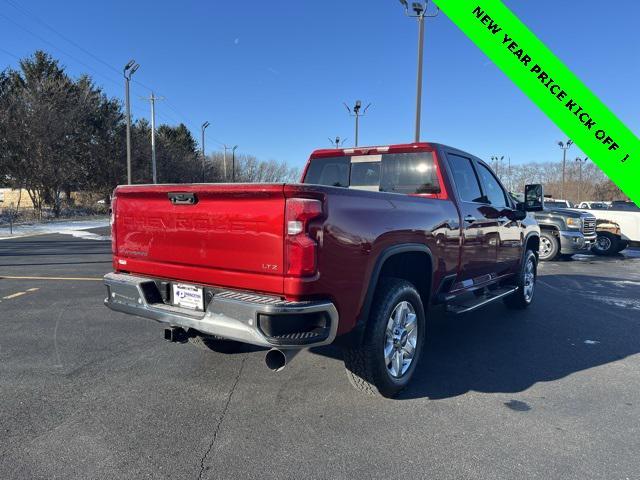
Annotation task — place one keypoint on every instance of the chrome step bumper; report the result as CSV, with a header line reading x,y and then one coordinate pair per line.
x,y
233,315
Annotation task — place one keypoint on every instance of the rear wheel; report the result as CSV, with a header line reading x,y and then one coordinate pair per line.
x,y
523,296
386,360
606,244
216,344
549,246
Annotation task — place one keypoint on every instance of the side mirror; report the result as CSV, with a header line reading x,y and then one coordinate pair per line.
x,y
533,198
519,214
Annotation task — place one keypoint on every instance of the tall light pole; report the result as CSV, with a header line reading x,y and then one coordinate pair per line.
x,y
233,163
129,69
564,146
357,114
420,12
338,142
580,161
153,99
202,129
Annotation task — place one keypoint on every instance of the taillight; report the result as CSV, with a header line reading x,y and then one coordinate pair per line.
x,y
112,221
300,248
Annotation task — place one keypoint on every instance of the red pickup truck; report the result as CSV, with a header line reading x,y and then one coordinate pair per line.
x,y
355,254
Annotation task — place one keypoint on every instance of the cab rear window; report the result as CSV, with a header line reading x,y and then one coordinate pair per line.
x,y
408,173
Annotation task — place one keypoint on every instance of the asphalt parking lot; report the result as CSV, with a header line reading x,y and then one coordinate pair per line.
x,y
552,392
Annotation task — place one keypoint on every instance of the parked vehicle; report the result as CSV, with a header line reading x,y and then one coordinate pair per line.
x,y
616,230
355,255
557,203
593,205
564,232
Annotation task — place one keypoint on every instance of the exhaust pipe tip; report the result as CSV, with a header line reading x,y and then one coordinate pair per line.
x,y
276,359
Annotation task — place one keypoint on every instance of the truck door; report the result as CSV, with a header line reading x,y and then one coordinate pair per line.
x,y
479,247
498,206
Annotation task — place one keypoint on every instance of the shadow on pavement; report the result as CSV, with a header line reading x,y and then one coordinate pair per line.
x,y
499,350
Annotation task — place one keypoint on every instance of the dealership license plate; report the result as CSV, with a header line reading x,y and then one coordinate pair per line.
x,y
188,296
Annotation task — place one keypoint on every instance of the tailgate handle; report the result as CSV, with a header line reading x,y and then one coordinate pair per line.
x,y
183,198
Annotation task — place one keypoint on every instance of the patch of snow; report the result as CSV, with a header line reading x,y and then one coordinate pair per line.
x,y
631,303
75,228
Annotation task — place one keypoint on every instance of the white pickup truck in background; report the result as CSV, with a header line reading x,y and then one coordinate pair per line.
x,y
617,228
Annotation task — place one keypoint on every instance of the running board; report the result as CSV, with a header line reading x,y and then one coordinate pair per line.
x,y
471,304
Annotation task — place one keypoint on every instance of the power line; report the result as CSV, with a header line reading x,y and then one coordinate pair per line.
x,y
9,53
27,13
58,48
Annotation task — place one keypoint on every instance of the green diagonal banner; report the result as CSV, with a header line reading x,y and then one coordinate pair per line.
x,y
552,86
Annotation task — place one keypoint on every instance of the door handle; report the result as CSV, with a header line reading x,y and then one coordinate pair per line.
x,y
470,219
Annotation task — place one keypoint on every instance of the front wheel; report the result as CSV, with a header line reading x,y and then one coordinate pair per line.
x,y
549,246
606,244
386,360
526,283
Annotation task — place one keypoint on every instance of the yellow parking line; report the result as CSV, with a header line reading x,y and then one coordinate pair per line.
x,y
14,295
19,294
81,279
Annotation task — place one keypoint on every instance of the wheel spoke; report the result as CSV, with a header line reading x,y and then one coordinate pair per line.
x,y
397,364
390,325
410,322
408,350
388,353
400,313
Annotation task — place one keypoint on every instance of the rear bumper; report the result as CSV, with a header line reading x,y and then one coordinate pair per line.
x,y
255,319
575,242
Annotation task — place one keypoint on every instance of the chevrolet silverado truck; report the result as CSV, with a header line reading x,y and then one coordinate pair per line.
x,y
354,255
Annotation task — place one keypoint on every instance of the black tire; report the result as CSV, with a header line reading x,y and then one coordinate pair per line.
x,y
523,297
622,244
606,244
549,246
216,344
365,364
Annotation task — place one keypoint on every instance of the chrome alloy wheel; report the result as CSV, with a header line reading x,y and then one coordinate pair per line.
x,y
603,243
529,280
401,338
545,247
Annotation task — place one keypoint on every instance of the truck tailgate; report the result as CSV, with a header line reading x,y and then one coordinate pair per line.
x,y
229,235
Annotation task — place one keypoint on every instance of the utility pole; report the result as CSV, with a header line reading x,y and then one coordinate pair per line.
x,y
509,173
564,146
420,12
338,142
497,161
233,163
152,99
580,161
357,114
203,128
233,159
129,69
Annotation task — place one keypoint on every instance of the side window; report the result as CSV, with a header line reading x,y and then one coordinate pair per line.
x,y
409,173
493,190
464,178
333,172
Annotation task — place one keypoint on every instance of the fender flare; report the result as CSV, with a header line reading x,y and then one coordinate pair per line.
x,y
526,240
357,334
